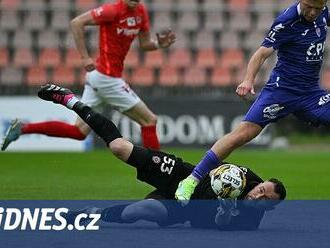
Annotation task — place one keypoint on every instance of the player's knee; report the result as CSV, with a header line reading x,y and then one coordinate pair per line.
x,y
133,213
117,147
151,210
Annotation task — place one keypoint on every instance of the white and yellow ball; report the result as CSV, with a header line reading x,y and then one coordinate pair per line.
x,y
228,181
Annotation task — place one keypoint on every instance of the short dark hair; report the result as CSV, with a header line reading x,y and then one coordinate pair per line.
x,y
279,188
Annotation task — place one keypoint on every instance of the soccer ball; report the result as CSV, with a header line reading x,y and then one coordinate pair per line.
x,y
228,181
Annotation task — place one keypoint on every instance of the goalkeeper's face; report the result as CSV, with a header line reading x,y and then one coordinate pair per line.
x,y
263,191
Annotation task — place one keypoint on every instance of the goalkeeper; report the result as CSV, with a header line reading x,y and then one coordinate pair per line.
x,y
164,171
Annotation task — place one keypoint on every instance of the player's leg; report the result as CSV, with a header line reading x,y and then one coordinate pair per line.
x,y
148,120
49,128
59,129
158,169
315,108
269,107
117,93
244,133
149,210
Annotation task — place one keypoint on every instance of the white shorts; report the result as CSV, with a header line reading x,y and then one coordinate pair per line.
x,y
102,89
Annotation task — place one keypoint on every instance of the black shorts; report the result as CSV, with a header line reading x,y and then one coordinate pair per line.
x,y
162,170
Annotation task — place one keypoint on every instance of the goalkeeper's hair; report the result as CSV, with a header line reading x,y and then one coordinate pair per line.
x,y
279,188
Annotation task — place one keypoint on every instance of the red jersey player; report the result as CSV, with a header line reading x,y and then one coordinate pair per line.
x,y
119,23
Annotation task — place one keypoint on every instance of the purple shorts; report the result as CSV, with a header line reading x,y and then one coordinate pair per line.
x,y
275,103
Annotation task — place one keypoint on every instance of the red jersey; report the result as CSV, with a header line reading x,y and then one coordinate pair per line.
x,y
119,26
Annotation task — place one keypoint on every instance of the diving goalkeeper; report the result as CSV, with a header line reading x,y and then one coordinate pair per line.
x,y
164,171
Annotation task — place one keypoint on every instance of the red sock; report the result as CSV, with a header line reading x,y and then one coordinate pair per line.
x,y
149,137
54,129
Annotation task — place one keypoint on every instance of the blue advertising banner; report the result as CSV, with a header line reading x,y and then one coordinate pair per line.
x,y
203,224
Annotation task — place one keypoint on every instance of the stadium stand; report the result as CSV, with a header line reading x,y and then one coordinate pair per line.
x,y
206,58
50,57
143,76
204,39
132,59
240,5
60,21
23,58
169,76
22,39
84,5
10,4
221,77
35,20
4,57
36,76
210,35
40,5
11,76
72,58
9,20
214,21
194,76
48,39
180,58
155,59
63,75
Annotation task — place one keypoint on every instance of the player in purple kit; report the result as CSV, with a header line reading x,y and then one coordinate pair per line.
x,y
298,35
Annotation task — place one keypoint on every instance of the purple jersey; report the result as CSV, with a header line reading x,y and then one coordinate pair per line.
x,y
300,47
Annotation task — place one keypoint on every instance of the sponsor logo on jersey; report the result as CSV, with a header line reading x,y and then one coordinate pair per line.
x,y
271,111
138,19
127,32
156,159
315,52
271,35
278,27
324,100
305,32
131,21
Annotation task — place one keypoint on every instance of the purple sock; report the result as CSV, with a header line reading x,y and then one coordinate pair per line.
x,y
208,163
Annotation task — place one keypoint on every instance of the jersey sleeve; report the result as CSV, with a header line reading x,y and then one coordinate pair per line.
x,y
145,20
105,13
328,16
278,35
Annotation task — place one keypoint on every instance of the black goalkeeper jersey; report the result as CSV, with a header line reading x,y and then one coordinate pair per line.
x,y
164,171
204,190
247,219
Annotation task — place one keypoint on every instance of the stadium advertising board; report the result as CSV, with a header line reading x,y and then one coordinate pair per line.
x,y
194,121
32,109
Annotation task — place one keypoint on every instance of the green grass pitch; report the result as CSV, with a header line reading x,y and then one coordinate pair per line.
x,y
100,176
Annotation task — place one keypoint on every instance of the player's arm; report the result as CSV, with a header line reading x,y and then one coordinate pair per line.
x,y
253,68
77,27
163,40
